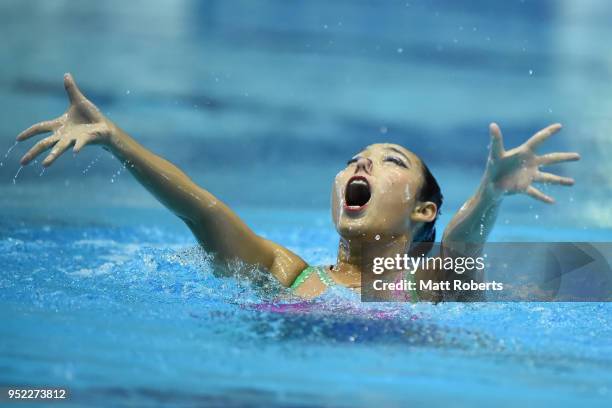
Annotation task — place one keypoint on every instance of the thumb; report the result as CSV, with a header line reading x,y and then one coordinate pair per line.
x,y
74,93
497,143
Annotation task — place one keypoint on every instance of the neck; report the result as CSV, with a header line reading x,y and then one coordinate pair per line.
x,y
355,254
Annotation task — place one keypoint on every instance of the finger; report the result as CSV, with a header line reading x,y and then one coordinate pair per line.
x,y
542,135
81,142
552,158
38,148
57,151
74,93
42,127
543,177
497,142
538,195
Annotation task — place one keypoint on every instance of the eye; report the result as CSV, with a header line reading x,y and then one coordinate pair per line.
x,y
396,160
353,160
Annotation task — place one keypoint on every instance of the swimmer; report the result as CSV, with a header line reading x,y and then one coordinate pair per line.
x,y
384,202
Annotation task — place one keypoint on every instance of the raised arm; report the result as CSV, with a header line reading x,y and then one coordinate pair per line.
x,y
218,229
507,172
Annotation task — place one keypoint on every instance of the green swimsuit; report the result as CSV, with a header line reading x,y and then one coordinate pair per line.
x,y
321,271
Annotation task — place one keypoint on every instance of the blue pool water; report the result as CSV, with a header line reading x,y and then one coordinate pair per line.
x,y
105,292
134,316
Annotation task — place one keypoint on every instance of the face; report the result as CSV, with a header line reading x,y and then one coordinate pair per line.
x,y
374,197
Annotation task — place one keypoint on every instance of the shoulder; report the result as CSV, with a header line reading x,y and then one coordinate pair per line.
x,y
286,266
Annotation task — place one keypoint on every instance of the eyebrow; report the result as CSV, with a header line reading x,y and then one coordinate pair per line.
x,y
401,153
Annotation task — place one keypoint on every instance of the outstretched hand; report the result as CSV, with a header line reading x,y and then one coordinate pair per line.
x,y
80,125
514,171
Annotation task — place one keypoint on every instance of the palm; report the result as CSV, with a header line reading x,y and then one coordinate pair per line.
x,y
82,112
514,171
80,125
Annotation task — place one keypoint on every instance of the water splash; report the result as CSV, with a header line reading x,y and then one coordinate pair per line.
x,y
42,169
10,149
17,175
8,152
90,165
118,172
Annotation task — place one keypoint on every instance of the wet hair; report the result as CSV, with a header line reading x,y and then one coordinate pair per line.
x,y
430,191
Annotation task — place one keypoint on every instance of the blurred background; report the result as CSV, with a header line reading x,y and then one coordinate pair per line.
x,y
263,102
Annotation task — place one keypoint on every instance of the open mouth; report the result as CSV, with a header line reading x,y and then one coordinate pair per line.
x,y
357,193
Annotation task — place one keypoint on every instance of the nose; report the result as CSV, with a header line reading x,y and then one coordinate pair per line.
x,y
364,164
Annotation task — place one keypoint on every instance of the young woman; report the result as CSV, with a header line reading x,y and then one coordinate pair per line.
x,y
383,202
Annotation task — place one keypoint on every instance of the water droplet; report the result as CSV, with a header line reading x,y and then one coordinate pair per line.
x,y
17,174
531,72
377,237
89,166
9,150
118,172
407,194
400,50
537,216
128,92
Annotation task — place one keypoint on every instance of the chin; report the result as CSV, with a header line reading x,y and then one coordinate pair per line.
x,y
362,227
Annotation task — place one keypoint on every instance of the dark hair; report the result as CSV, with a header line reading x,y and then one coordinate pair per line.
x,y
430,191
